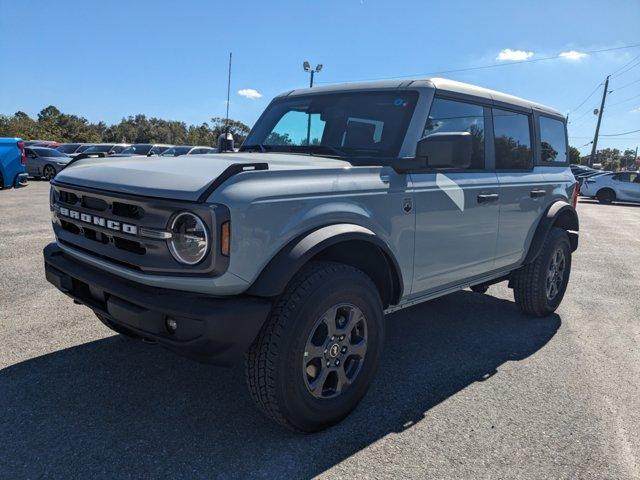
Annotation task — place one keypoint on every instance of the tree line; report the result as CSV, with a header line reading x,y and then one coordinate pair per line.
x,y
52,124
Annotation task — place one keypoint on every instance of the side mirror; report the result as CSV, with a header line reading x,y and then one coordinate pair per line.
x,y
446,150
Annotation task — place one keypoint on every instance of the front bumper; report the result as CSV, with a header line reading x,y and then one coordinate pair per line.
x,y
215,330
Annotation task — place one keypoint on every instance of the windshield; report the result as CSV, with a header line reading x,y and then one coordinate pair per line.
x,y
176,151
346,124
49,152
138,149
99,148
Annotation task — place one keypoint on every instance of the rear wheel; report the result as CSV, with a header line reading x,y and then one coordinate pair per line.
x,y
48,172
481,288
315,357
606,195
538,287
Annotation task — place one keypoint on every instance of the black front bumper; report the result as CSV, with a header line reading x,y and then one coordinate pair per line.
x,y
210,329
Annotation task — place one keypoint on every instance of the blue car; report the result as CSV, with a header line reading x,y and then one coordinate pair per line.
x,y
13,172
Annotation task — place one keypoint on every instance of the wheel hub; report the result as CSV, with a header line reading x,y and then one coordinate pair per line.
x,y
335,351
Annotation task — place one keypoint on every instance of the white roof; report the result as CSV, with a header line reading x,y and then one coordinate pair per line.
x,y
442,84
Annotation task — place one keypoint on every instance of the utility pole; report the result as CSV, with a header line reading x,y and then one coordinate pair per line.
x,y
307,68
595,137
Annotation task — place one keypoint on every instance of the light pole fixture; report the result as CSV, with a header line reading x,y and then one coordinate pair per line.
x,y
307,68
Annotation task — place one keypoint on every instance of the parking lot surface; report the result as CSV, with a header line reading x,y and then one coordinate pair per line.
x,y
467,388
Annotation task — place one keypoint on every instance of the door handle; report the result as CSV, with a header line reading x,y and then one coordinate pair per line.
x,y
537,193
487,197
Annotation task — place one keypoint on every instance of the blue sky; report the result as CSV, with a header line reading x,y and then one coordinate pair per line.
x,y
109,59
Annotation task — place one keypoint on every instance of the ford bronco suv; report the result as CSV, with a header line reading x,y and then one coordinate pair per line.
x,y
343,204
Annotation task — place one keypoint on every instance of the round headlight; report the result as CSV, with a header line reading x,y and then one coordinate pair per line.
x,y
189,241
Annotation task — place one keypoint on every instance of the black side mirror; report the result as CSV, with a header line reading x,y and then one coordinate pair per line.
x,y
446,150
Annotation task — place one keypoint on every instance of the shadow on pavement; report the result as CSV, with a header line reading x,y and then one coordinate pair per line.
x,y
116,408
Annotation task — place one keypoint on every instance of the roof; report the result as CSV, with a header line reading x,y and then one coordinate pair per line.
x,y
441,84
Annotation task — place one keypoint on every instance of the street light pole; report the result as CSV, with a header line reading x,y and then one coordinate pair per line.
x,y
307,68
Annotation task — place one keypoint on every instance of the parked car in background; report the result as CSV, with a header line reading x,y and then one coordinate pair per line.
x,y
611,187
12,163
70,148
45,162
147,149
41,143
187,150
107,148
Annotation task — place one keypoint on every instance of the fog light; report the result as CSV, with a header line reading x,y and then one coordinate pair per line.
x,y
172,325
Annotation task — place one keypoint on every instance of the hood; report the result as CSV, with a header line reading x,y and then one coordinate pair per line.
x,y
182,178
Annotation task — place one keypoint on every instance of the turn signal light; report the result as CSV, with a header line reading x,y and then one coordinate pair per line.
x,y
225,238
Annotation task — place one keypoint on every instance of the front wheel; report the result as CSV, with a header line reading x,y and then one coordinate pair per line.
x,y
606,196
48,172
315,357
539,287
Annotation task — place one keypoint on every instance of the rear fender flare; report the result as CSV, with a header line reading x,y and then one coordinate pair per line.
x,y
559,214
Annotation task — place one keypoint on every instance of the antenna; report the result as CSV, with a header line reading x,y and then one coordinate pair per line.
x,y
228,94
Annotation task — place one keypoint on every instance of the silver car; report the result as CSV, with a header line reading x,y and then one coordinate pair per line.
x,y
45,162
612,187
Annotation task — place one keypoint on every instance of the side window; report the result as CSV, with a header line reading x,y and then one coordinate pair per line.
x,y
622,177
512,140
453,116
553,140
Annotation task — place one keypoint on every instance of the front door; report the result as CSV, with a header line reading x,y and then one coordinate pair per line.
x,y
456,211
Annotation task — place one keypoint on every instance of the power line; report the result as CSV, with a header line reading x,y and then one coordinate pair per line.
x,y
618,134
625,100
616,74
482,67
588,97
627,85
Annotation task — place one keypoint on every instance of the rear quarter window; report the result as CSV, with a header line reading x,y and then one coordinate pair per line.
x,y
553,141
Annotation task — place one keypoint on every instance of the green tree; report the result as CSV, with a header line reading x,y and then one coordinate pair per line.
x,y
574,155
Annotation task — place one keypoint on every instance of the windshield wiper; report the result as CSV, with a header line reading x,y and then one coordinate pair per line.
x,y
257,145
326,148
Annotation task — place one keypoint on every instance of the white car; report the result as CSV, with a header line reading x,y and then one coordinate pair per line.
x,y
620,186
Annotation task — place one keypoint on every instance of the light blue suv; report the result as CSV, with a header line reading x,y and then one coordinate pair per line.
x,y
344,203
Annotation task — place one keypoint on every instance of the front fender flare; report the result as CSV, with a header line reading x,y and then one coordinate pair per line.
x,y
287,262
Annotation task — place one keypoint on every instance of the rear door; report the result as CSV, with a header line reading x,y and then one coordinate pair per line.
x,y
627,186
456,210
524,191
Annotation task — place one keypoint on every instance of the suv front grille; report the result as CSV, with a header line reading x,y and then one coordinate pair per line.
x,y
108,226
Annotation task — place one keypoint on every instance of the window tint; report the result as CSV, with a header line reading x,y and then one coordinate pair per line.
x,y
347,124
452,116
512,140
291,129
553,140
625,177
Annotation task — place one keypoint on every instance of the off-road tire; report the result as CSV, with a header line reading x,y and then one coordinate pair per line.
x,y
606,196
274,368
117,328
529,282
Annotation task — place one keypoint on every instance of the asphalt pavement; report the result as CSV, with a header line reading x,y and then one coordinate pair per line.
x,y
467,388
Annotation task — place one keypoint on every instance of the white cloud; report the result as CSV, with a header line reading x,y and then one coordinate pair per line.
x,y
514,55
635,110
573,55
249,93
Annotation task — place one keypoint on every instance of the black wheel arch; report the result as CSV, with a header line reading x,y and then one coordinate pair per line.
x,y
346,243
559,214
